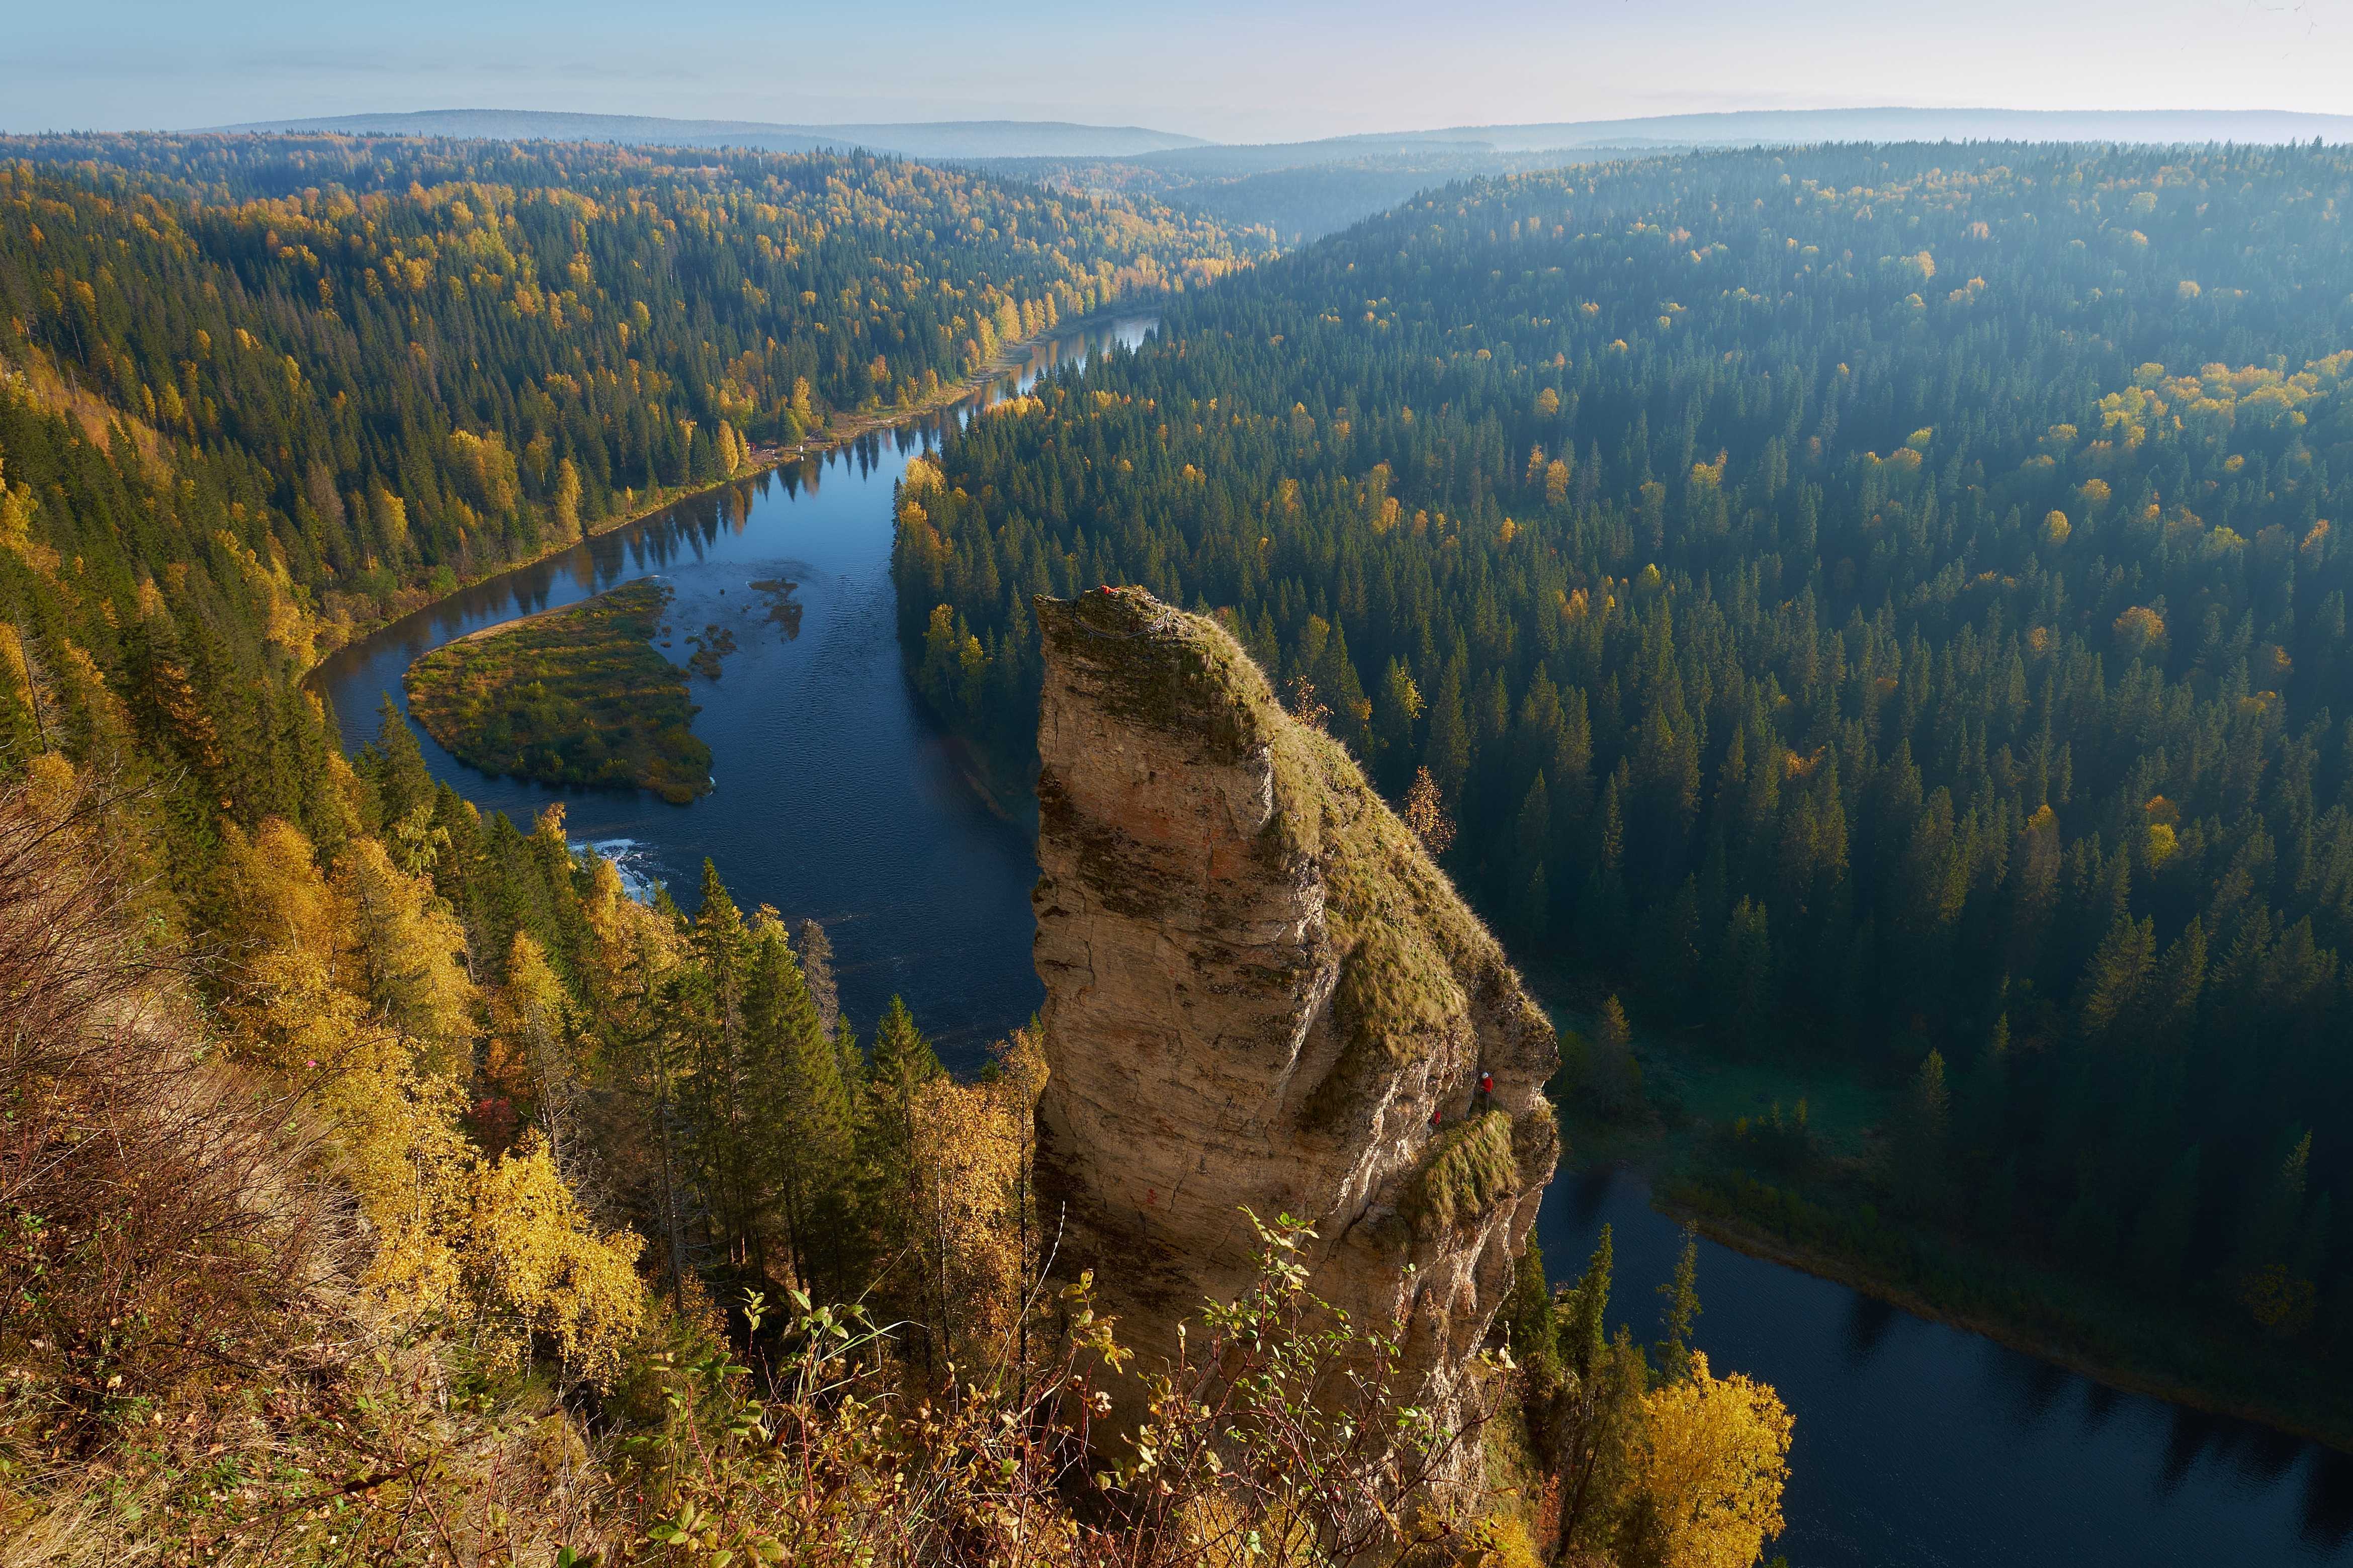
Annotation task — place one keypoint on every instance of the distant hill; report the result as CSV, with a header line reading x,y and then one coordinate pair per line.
x,y
1200,157
930,139
1294,191
1748,127
1297,190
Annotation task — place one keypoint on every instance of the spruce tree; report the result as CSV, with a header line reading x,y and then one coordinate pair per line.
x,y
1679,1313
806,1119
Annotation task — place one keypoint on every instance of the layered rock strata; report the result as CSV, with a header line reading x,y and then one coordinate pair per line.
x,y
1260,992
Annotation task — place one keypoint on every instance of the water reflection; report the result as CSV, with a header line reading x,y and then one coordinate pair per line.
x,y
1868,1320
833,798
1921,1444
784,610
2328,1503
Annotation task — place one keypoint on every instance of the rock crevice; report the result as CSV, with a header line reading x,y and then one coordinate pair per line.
x,y
1260,992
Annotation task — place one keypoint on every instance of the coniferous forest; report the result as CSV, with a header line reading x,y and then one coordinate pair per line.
x,y
1874,614
1881,606
412,362
386,1181
262,394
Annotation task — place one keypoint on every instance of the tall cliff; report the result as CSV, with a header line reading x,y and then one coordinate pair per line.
x,y
1259,990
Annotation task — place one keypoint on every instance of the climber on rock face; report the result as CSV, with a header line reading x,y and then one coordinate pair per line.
x,y
1486,1089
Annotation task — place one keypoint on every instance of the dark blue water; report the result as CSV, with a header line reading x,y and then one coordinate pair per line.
x,y
1916,1445
1922,1446
834,797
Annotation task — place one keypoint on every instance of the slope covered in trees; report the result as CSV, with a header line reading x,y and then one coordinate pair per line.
x,y
380,1181
404,362
1880,601
385,1181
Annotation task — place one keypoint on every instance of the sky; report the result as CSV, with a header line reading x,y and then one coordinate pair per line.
x,y
1224,69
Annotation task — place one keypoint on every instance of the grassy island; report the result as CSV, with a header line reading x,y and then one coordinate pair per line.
x,y
576,696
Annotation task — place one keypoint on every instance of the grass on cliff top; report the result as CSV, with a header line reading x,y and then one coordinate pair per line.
x,y
1413,952
1470,1168
576,696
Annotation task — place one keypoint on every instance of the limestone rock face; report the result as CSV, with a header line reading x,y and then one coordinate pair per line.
x,y
1257,990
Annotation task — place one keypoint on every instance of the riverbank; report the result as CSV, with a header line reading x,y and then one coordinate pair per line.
x,y
1825,1225
841,430
1748,1236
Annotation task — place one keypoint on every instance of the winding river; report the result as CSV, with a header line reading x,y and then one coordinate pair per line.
x,y
1917,1445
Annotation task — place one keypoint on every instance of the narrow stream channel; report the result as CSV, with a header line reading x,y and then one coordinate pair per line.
x,y
1917,1447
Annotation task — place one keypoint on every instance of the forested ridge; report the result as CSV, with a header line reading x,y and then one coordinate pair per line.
x,y
408,361
264,392
1290,194
1887,602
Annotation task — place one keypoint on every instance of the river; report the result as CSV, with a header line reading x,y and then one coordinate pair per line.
x,y
1918,1446
833,797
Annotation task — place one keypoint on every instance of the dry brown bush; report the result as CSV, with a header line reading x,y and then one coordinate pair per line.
x,y
155,1225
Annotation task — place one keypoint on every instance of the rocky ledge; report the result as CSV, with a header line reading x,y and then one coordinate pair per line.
x,y
1260,992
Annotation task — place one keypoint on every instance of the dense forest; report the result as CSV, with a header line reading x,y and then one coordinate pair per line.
x,y
1884,604
380,1181
408,362
263,392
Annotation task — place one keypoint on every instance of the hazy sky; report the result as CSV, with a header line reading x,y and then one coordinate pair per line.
x,y
1228,69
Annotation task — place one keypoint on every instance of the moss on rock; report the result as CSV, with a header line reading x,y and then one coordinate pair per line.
x,y
1468,1169
1413,958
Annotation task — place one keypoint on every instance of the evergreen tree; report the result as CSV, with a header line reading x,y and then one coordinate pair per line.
x,y
2167,1227
806,1123
729,1076
1583,1336
1614,1076
1921,1130
1679,1314
902,1063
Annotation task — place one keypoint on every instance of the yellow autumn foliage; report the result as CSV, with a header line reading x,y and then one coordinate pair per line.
x,y
415,949
532,1260
529,1044
971,1147
2139,629
357,989
1707,1472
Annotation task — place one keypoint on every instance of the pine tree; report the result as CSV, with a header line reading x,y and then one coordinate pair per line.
x,y
1599,1408
2119,972
1582,1336
815,950
806,1121
725,1084
1529,1323
404,786
1395,718
1615,1077
1679,1314
2162,1236
1922,1125
902,1066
